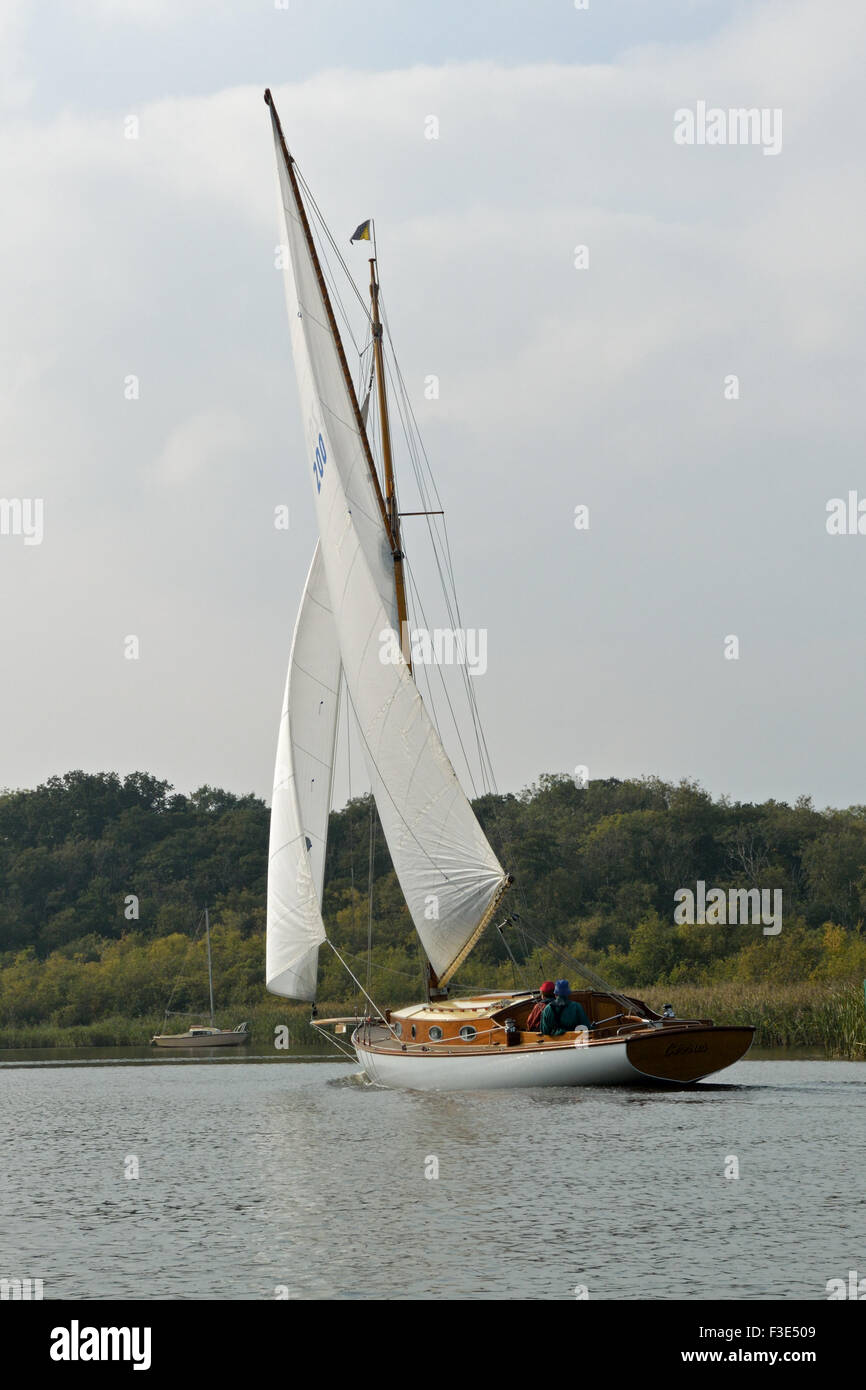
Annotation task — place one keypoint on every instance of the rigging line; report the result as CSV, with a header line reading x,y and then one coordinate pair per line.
x,y
322,229
514,964
388,969
488,781
333,244
413,436
442,553
190,942
327,231
349,778
417,445
450,597
357,981
449,588
370,883
329,1037
334,289
416,607
585,971
444,686
344,687
363,376
417,603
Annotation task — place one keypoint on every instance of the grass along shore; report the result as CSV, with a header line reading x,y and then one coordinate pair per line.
x,y
831,1018
118,1030
828,1018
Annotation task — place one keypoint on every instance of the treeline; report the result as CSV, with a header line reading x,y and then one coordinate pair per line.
x,y
103,880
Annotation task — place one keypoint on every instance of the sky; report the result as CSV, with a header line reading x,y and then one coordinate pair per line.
x,y
606,385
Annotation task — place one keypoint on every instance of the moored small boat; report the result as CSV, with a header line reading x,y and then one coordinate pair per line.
x,y
204,1037
201,1035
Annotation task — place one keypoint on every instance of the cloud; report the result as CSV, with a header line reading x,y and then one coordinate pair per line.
x,y
196,448
155,256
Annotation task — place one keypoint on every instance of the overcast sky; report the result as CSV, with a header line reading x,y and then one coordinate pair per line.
x,y
603,386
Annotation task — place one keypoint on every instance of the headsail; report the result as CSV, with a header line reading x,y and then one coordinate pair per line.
x,y
450,877
302,795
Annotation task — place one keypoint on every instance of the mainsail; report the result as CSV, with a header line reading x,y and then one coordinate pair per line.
x,y
302,795
449,875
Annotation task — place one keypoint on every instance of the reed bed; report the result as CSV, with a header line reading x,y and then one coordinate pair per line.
x,y
831,1018
119,1031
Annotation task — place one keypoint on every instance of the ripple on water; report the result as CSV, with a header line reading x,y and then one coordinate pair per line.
x,y
258,1178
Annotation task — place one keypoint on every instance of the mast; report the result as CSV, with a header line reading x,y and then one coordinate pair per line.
x,y
388,460
209,966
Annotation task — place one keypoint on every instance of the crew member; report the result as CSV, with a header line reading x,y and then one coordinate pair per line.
x,y
563,1014
537,1009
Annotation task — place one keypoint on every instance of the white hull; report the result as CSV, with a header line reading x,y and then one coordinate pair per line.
x,y
210,1040
593,1065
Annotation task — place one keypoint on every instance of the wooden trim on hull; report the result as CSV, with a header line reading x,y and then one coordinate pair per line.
x,y
690,1056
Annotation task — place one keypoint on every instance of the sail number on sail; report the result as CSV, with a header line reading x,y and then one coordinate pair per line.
x,y
319,463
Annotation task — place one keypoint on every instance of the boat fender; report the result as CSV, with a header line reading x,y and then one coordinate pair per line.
x,y
582,1038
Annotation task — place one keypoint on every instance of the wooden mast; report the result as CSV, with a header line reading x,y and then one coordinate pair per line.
x,y
388,459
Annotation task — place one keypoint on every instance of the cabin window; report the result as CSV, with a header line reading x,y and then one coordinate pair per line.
x,y
435,1033
398,1029
467,1032
413,1030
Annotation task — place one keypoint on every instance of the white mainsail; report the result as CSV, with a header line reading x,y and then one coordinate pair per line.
x,y
302,795
449,875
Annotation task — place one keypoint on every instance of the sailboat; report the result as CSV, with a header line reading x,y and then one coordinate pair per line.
x,y
450,877
200,1035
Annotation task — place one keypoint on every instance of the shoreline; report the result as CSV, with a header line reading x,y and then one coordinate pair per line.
x,y
826,1019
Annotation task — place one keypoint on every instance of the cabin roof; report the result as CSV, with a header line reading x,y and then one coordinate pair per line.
x,y
479,1006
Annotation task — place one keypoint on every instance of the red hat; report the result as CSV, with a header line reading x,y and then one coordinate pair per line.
x,y
548,987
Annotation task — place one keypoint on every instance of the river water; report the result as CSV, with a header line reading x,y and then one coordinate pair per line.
x,y
260,1178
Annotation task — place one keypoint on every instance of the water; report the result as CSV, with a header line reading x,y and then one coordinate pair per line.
x,y
256,1176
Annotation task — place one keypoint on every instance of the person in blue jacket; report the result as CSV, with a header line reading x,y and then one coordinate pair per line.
x,y
562,1014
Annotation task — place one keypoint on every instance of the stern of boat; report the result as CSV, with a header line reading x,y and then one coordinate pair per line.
x,y
689,1055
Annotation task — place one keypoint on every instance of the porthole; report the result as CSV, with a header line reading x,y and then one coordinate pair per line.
x,y
398,1029
435,1033
467,1032
413,1030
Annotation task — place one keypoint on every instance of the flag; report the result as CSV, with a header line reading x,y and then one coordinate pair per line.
x,y
361,233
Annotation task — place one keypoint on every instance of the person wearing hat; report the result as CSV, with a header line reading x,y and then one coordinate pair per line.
x,y
562,1014
537,1009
